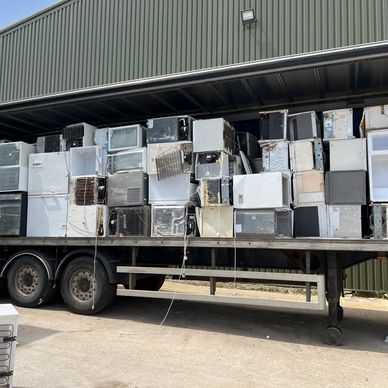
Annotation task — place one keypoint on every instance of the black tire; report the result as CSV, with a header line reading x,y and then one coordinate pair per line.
x,y
28,283
77,287
333,335
153,283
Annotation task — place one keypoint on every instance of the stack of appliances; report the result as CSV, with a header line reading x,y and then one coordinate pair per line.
x,y
215,165
13,187
267,213
307,165
375,125
129,212
170,174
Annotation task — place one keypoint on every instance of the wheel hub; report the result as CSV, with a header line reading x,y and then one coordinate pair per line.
x,y
27,280
81,285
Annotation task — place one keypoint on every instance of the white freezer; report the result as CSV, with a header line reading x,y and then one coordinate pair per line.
x,y
48,173
85,161
87,221
47,216
262,191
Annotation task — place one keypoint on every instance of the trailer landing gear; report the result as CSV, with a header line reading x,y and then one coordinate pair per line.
x,y
333,332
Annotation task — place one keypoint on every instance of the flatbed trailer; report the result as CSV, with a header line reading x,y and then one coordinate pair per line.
x,y
90,271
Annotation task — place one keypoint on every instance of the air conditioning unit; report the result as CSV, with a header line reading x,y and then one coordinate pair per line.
x,y
87,191
311,221
181,154
303,126
345,187
126,137
344,221
264,223
262,191
101,137
275,156
47,216
379,220
215,191
375,117
212,165
338,124
378,165
87,221
213,135
306,155
348,155
309,188
13,214
86,161
175,190
215,221
49,173
169,129
14,166
128,189
273,125
130,221
128,160
78,135
248,144
172,221
9,321
50,143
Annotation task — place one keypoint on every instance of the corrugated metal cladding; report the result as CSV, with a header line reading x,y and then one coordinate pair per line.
x,y
370,276
82,43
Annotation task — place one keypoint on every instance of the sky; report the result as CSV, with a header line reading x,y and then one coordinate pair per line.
x,y
11,11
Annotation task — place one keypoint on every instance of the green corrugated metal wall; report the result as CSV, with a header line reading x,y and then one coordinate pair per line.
x,y
82,43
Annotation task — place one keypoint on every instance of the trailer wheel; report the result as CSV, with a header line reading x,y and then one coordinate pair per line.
x,y
28,283
80,293
153,283
333,335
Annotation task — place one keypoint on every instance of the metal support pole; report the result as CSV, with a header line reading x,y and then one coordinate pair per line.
x,y
333,286
212,279
308,271
132,277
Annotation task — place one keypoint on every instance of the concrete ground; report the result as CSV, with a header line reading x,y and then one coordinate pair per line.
x,y
200,345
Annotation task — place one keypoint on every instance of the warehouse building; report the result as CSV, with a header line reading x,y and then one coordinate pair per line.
x,y
123,61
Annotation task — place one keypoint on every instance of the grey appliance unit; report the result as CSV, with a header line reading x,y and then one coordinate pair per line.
x,y
303,126
172,221
345,187
248,143
273,125
87,191
275,156
130,221
49,143
128,160
344,221
78,135
126,137
13,214
213,135
264,223
257,165
216,191
128,189
311,221
169,129
379,220
212,165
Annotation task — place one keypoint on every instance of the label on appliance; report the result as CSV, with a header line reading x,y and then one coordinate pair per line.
x,y
238,228
37,164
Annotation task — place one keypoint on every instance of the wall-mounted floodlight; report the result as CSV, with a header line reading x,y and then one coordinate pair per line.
x,y
248,16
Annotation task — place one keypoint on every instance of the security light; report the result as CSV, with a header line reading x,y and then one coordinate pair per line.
x,y
248,16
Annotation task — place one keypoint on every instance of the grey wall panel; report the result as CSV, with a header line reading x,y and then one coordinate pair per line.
x,y
83,43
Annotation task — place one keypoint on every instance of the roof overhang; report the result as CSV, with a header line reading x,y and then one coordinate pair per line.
x,y
349,77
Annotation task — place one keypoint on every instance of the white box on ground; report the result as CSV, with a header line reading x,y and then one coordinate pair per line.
x,y
266,190
9,322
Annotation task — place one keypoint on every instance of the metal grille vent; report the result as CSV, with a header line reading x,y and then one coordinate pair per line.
x,y
169,165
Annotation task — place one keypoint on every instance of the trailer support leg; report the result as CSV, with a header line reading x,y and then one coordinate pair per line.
x,y
212,279
308,271
132,277
333,333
